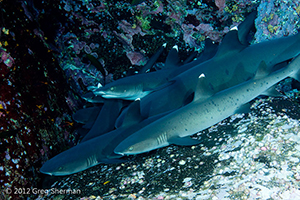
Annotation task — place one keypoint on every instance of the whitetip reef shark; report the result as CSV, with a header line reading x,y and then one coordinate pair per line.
x,y
92,152
207,109
141,84
221,71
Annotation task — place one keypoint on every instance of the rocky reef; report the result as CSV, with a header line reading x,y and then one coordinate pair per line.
x,y
45,69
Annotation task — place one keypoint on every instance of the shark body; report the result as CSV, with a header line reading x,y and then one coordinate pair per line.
x,y
232,58
206,110
134,87
141,84
92,151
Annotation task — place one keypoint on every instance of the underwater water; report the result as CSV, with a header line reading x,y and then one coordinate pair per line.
x,y
46,68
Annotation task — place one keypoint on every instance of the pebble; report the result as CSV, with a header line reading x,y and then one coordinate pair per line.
x,y
182,162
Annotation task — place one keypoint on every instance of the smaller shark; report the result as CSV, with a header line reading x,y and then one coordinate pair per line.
x,y
206,110
93,151
140,85
135,86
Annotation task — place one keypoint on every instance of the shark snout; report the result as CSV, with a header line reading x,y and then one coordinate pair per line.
x,y
99,92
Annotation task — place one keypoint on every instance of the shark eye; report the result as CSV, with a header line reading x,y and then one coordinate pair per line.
x,y
112,88
130,148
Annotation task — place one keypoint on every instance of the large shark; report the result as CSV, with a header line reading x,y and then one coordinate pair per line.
x,y
92,152
206,110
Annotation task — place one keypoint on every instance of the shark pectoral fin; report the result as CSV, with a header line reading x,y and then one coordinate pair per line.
x,y
202,90
172,58
243,109
272,92
296,76
184,141
120,119
105,121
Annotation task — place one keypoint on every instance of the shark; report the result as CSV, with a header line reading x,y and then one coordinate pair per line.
x,y
232,58
207,109
127,88
93,151
141,84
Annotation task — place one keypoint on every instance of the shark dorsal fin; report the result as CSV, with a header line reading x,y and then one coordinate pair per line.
x,y
262,70
147,67
210,46
172,59
208,52
202,90
230,44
